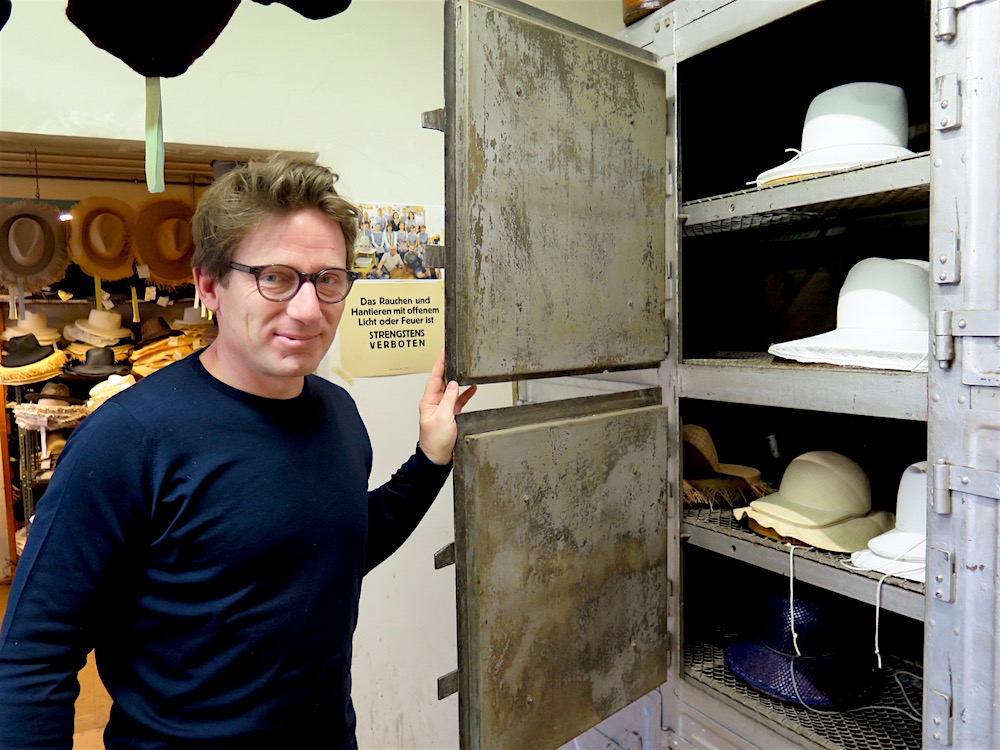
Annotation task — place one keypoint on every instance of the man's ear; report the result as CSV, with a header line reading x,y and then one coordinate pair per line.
x,y
207,287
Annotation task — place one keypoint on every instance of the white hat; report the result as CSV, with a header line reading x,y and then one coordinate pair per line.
x,y
846,126
824,501
882,314
36,323
104,323
902,551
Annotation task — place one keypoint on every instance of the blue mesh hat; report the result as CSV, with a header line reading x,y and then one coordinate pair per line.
x,y
832,672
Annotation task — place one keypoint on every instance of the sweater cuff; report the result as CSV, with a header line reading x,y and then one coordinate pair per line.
x,y
425,461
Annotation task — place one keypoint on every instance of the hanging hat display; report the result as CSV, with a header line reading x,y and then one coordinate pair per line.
x,y
882,320
820,664
27,361
163,240
36,324
847,126
100,237
32,246
824,500
709,482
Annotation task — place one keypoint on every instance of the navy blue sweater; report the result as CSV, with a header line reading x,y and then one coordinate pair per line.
x,y
209,545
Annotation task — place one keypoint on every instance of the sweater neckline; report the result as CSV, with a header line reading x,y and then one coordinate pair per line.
x,y
260,402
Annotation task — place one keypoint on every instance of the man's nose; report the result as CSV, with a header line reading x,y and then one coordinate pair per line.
x,y
305,305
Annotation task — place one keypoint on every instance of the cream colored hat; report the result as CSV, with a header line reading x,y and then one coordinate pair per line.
x,y
104,323
824,501
36,323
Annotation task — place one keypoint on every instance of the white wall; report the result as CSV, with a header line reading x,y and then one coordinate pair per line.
x,y
352,89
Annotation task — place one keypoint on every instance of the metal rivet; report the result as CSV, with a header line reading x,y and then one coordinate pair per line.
x,y
518,91
656,26
938,162
937,735
530,700
939,578
942,276
962,323
944,122
961,399
944,104
965,480
935,397
937,720
939,595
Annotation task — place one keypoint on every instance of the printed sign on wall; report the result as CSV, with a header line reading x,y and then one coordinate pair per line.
x,y
392,327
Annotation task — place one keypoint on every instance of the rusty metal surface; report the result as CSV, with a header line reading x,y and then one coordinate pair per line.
x,y
561,567
555,146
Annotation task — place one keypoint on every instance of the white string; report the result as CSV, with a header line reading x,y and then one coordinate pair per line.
x,y
791,604
878,608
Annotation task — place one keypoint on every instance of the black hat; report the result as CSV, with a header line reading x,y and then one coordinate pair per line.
x,y
99,364
25,350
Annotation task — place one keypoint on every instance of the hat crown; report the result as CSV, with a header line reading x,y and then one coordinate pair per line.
x,y
887,295
106,234
26,240
699,448
100,355
825,480
861,113
33,321
911,499
22,344
817,633
174,238
106,320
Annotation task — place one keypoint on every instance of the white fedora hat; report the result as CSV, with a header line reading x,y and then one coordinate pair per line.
x,y
824,500
882,320
104,323
846,126
902,551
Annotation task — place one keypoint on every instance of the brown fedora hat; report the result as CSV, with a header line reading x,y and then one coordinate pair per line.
x,y
154,329
32,245
100,237
163,240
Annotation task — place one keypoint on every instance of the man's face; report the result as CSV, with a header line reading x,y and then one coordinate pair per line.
x,y
267,347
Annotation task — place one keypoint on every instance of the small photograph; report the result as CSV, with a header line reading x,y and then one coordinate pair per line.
x,y
393,241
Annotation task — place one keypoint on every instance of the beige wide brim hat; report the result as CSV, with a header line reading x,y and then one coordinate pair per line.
x,y
32,246
707,481
104,323
164,242
34,323
100,237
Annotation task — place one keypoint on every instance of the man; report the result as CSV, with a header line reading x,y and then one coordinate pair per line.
x,y
207,530
389,262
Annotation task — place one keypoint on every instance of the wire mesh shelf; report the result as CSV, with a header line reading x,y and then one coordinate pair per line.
x,y
888,723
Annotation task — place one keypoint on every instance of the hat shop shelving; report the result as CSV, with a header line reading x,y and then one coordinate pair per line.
x,y
745,267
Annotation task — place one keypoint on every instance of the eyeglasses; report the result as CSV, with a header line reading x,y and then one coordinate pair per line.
x,y
279,283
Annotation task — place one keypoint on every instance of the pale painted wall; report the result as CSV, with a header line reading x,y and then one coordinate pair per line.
x,y
352,89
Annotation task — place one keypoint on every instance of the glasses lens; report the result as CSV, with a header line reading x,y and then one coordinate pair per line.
x,y
277,283
333,285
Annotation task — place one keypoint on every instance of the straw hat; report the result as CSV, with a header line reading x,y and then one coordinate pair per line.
x,y
29,362
100,237
709,482
106,324
163,240
32,246
153,330
34,323
108,388
846,126
824,501
882,320
53,394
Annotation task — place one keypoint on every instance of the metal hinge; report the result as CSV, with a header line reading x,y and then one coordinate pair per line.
x,y
948,478
447,684
951,323
670,648
433,119
946,112
444,556
939,708
670,280
946,18
941,574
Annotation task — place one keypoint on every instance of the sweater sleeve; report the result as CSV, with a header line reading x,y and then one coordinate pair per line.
x,y
75,559
395,508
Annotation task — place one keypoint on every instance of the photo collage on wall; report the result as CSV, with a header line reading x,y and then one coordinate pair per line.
x,y
392,242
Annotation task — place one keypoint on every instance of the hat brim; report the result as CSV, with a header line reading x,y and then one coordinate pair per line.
x,y
833,681
830,159
115,333
44,336
166,272
36,372
51,267
100,372
84,255
859,347
908,546
911,571
848,535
